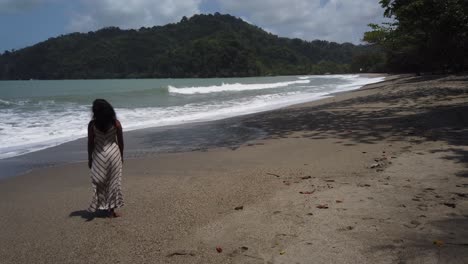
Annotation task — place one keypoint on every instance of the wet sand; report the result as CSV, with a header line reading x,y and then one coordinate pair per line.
x,y
377,175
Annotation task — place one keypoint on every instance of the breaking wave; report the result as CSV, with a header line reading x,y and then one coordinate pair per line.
x,y
235,87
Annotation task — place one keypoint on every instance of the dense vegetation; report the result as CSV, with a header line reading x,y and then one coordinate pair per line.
x,y
200,46
426,35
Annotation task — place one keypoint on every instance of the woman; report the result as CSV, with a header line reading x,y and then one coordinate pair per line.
x,y
105,157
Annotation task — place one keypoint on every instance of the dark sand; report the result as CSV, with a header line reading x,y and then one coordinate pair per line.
x,y
387,165
141,143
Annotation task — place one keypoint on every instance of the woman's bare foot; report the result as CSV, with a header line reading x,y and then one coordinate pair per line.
x,y
114,214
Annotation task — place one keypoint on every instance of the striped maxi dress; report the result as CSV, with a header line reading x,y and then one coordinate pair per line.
x,y
106,171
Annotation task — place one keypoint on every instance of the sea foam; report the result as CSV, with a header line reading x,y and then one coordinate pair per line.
x,y
235,87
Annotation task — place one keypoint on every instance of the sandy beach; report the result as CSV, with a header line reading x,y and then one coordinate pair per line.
x,y
376,175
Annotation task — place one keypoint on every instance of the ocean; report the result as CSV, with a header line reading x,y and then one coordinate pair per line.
x,y
37,114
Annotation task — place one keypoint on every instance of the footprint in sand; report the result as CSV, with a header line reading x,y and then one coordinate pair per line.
x,y
241,250
422,207
452,205
347,228
279,238
413,224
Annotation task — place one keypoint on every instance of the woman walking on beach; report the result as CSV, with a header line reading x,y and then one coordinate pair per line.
x,y
105,157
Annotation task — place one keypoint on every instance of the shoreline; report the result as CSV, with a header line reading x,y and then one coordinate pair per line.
x,y
375,175
45,158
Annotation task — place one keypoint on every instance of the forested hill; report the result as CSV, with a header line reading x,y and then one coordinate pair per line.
x,y
200,46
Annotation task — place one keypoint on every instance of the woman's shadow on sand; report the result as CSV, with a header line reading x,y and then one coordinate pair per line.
x,y
89,216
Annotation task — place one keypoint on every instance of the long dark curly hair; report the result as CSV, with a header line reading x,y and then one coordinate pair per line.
x,y
104,116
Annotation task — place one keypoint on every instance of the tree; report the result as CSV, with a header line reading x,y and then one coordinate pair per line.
x,y
427,35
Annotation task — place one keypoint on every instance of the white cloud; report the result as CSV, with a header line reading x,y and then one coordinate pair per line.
x,y
14,6
131,13
333,20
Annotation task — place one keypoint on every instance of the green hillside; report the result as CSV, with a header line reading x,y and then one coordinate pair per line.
x,y
201,46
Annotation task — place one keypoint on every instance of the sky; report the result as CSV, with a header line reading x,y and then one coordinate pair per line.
x,y
26,22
